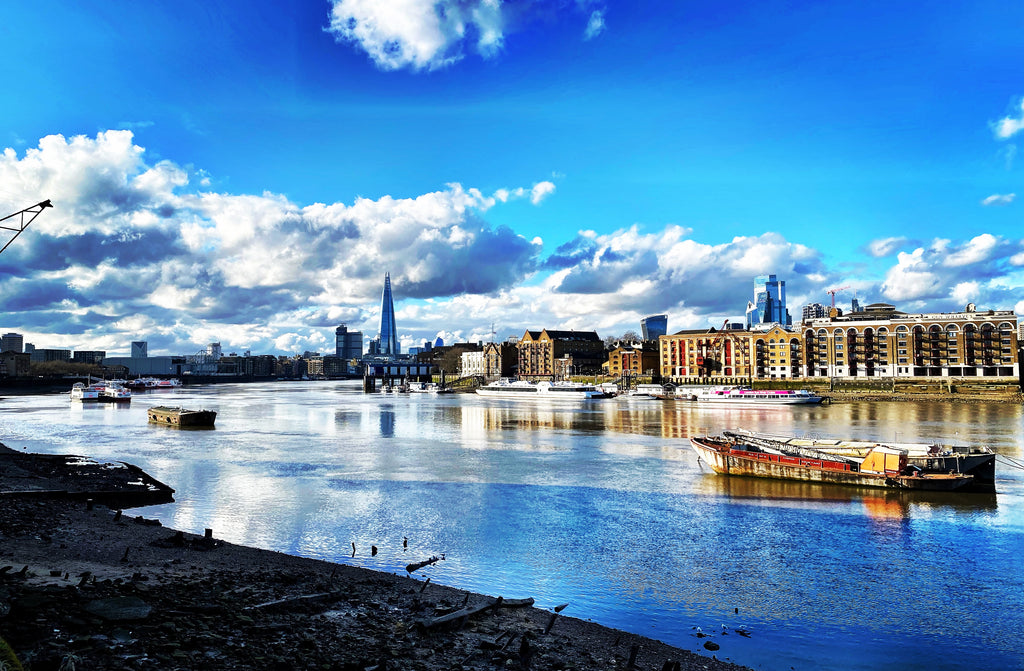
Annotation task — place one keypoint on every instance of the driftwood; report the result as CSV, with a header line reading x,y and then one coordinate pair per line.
x,y
468,611
298,599
458,615
415,566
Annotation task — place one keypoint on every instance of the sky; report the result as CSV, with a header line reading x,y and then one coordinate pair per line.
x,y
247,172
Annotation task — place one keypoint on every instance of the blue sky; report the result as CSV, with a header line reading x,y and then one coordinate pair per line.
x,y
247,172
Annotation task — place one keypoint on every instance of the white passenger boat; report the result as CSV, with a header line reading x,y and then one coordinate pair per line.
x,y
116,393
522,389
745,396
84,394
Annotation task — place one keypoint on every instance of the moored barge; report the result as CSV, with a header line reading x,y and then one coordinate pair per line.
x,y
882,467
976,461
177,416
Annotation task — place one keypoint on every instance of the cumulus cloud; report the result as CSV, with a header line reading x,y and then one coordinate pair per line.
x,y
999,199
136,249
1010,125
540,191
433,34
128,238
948,270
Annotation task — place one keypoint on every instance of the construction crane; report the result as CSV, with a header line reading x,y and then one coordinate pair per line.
x,y
835,291
710,351
25,217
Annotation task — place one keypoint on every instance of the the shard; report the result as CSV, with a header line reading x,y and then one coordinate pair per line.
x,y
388,334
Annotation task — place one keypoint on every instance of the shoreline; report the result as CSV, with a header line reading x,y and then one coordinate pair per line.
x,y
85,583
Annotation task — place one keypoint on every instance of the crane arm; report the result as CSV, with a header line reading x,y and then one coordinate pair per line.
x,y
25,217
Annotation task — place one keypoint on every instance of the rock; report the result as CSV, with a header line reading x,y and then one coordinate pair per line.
x,y
711,645
119,609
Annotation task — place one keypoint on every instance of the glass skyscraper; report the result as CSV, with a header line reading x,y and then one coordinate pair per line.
x,y
654,326
388,334
769,301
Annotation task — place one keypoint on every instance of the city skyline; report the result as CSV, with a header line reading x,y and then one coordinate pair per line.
x,y
241,177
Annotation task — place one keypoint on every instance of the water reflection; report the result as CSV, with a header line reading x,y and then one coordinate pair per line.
x,y
601,504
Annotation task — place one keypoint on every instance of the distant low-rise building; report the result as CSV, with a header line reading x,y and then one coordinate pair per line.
x,y
501,360
473,363
12,342
88,356
634,359
15,364
581,351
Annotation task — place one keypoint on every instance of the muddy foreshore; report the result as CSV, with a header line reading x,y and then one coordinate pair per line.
x,y
89,587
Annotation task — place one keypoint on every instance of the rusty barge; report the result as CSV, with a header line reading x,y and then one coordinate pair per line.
x,y
977,461
881,467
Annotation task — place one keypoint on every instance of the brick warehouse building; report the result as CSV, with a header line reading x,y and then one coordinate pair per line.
x,y
878,342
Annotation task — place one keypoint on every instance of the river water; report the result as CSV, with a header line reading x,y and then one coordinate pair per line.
x,y
601,505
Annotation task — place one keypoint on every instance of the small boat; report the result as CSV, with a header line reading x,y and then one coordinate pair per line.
x,y
168,383
652,391
746,396
428,388
115,393
976,461
177,416
522,389
84,394
883,466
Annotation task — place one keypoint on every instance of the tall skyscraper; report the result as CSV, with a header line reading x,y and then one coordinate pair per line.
x,y
770,302
388,334
654,326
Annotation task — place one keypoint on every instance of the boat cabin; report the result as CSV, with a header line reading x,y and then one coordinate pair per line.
x,y
883,459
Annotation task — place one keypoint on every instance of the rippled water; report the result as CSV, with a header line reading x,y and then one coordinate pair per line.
x,y
601,505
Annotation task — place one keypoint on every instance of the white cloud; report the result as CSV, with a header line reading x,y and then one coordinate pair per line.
x,y
911,278
419,34
885,246
999,199
978,249
1009,126
965,292
595,25
540,191
433,34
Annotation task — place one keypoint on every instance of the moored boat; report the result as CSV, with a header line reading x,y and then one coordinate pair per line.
x,y
977,461
746,396
178,416
428,388
522,389
883,466
84,393
115,393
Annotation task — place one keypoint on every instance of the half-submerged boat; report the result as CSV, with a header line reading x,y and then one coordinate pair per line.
x,y
522,389
883,466
977,461
746,396
171,416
